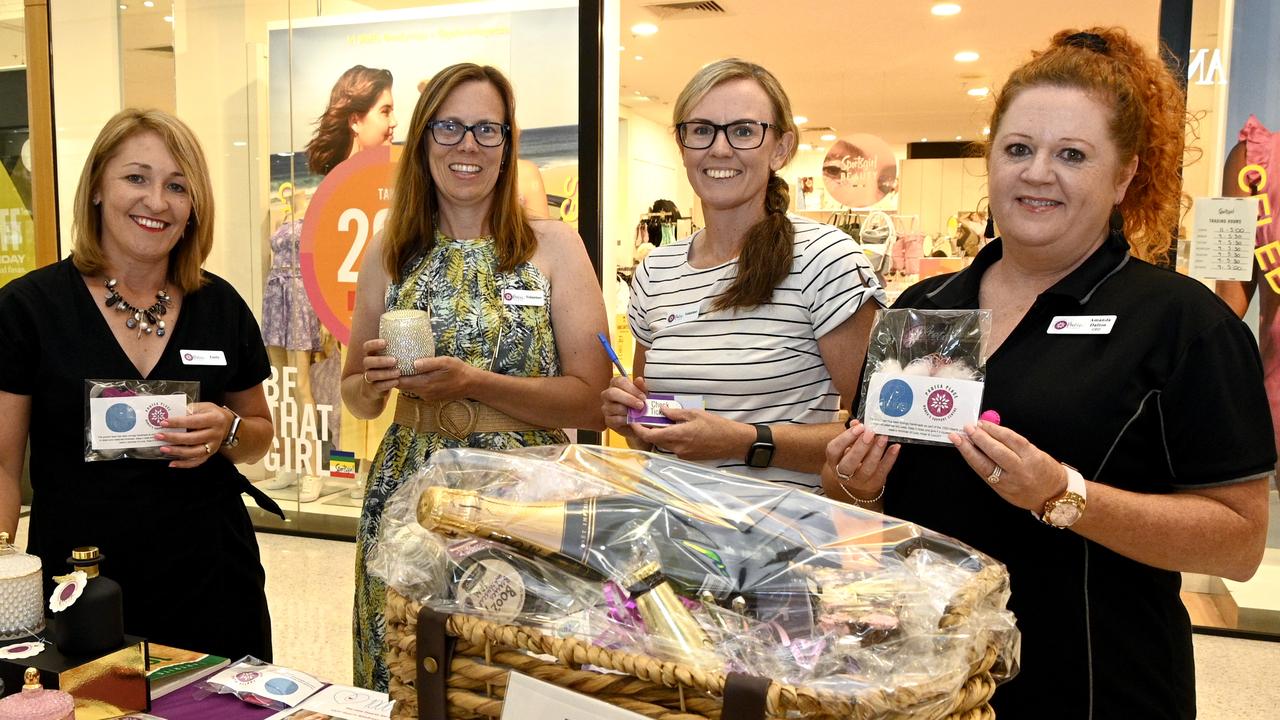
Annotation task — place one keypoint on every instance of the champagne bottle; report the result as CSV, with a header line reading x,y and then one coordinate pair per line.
x,y
598,537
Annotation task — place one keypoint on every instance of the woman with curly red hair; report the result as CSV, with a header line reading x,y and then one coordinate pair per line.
x,y
1134,439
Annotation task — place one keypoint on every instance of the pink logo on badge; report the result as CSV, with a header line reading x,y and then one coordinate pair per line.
x,y
245,677
940,403
156,415
671,318
188,357
1060,325
508,296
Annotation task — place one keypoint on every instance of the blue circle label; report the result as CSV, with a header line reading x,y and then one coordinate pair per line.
x,y
121,418
895,398
281,686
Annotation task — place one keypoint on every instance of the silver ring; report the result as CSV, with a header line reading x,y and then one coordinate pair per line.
x,y
841,475
994,477
208,450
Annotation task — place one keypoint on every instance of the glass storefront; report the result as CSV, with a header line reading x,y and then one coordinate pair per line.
x,y
893,98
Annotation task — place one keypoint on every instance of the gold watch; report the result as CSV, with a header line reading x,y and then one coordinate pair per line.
x,y
1063,511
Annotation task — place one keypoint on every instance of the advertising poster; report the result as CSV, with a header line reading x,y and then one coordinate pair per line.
x,y
341,94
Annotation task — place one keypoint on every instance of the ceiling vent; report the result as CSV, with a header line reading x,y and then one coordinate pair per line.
x,y
686,9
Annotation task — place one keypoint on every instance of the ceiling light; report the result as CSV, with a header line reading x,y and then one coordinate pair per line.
x,y
621,48
805,146
148,3
986,131
123,6
644,29
957,137
945,9
966,56
168,18
641,98
979,91
799,119
639,57
820,149
828,137
924,139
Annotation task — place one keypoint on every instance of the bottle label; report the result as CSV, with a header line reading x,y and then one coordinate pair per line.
x,y
492,588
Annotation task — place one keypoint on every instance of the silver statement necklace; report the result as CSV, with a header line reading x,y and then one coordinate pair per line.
x,y
144,320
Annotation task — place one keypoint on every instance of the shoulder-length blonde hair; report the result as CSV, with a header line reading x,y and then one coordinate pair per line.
x,y
769,248
188,256
1147,120
410,228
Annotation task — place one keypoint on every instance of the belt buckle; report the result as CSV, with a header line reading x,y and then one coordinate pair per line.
x,y
457,418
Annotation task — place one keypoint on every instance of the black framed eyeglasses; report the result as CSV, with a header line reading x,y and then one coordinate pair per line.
x,y
451,132
741,134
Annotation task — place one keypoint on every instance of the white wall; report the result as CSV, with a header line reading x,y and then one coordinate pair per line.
x,y
84,36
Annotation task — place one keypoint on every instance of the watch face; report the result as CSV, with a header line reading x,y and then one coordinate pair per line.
x,y
761,455
1064,514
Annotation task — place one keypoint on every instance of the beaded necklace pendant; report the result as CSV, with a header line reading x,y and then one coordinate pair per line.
x,y
144,320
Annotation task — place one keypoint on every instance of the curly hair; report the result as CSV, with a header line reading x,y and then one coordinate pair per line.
x,y
1148,120
355,93
769,247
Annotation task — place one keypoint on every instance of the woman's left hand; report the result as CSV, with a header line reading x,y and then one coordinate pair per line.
x,y
207,426
1028,476
699,435
440,378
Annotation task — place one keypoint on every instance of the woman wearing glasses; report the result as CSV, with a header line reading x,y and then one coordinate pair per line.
x,y
514,304
764,314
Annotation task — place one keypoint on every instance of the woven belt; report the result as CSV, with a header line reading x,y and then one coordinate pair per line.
x,y
455,418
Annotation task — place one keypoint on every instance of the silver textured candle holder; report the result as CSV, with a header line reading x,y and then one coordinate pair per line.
x,y
409,337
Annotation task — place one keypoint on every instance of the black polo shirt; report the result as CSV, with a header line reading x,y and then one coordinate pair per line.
x,y
1171,398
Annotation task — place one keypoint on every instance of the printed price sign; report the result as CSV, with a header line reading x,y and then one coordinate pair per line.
x,y
1222,241
348,209
530,699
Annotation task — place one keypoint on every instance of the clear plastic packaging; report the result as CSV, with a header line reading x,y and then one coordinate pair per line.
x,y
654,555
120,416
261,683
924,373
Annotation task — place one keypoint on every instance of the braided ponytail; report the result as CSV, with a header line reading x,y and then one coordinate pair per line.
x,y
767,252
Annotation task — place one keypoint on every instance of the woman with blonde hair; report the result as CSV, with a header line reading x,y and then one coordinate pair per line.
x,y
514,304
1134,439
764,314
133,304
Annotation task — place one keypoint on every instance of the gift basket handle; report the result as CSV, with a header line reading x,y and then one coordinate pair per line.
x,y
745,696
435,655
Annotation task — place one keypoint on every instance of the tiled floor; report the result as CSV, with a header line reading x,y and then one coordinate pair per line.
x,y
310,583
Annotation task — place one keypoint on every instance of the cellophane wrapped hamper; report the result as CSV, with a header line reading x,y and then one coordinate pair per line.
x,y
678,592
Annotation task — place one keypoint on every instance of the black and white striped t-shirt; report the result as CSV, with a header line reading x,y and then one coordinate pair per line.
x,y
760,365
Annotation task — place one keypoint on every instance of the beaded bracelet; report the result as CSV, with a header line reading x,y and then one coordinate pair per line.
x,y
859,501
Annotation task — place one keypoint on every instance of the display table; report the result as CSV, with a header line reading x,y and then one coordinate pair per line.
x,y
188,703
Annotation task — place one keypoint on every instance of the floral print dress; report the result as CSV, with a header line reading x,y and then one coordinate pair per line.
x,y
458,282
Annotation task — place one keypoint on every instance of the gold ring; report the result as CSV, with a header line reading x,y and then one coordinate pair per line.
x,y
841,475
994,477
365,375
208,450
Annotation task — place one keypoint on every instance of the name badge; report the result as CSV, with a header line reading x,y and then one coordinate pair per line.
x,y
682,315
203,357
1081,325
524,297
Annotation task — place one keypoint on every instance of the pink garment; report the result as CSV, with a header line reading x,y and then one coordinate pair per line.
x,y
1262,147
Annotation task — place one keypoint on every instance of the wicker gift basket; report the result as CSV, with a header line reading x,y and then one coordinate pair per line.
x,y
677,592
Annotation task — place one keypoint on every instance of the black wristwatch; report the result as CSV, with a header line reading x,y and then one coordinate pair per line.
x,y
761,453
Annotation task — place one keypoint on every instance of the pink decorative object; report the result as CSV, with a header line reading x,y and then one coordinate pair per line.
x,y
990,416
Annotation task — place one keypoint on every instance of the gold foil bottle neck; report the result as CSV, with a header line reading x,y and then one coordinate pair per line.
x,y
88,552
448,511
86,558
31,679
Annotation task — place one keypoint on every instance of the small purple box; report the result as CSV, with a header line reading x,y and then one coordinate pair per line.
x,y
652,415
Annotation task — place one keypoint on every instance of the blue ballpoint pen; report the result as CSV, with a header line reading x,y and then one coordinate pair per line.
x,y
612,355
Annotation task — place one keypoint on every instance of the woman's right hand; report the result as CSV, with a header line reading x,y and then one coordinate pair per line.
x,y
859,461
621,395
380,371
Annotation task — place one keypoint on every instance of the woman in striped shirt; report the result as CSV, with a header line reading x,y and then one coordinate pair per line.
x,y
764,315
